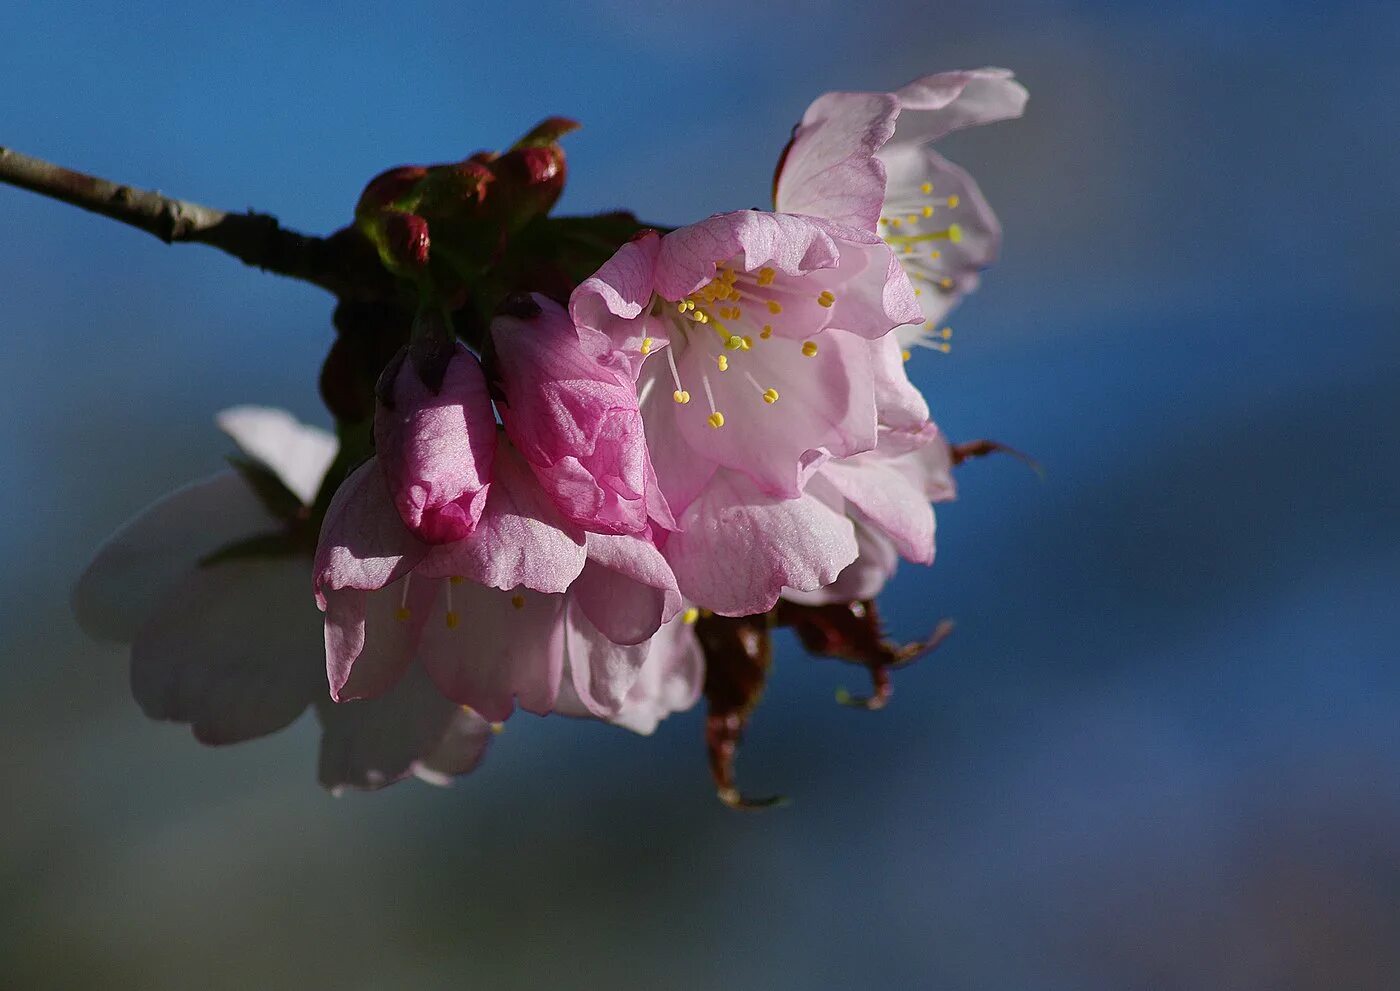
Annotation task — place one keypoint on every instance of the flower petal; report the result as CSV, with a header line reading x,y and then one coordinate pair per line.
x,y
503,647
751,239
461,750
521,540
938,104
739,547
364,544
601,672
898,403
626,589
574,419
140,564
372,637
830,169
370,744
297,453
616,299
863,578
669,681
233,650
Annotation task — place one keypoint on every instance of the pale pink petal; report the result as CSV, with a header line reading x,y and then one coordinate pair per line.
x,y
411,730
497,648
521,540
233,650
739,548
297,453
140,564
750,239
670,680
872,292
364,544
825,401
616,300
573,418
889,500
435,448
601,671
863,578
681,472
938,104
626,589
898,403
830,169
372,637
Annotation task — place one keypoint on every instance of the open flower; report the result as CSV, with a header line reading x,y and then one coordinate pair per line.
x,y
863,158
495,616
208,586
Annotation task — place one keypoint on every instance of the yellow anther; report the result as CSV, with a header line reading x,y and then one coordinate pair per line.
x,y
945,283
646,345
733,342
935,253
809,348
946,333
774,307
955,233
690,615
766,332
766,276
518,600
884,220
723,362
456,579
498,728
926,188
684,305
681,396
953,202
826,298
908,249
895,221
927,211
716,419
453,618
913,218
403,614
770,396
940,346
748,342
905,354
918,291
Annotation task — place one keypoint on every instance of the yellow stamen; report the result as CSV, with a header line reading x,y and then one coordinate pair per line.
x,y
453,618
953,202
681,396
518,600
690,615
905,354
955,233
456,579
827,298
928,211
926,188
646,345
498,728
766,276
716,419
774,307
734,342
723,362
770,396
809,348
403,614
767,331
748,342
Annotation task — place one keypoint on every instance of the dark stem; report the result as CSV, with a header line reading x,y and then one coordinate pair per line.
x,y
344,263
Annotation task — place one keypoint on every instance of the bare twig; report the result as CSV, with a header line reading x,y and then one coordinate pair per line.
x,y
343,263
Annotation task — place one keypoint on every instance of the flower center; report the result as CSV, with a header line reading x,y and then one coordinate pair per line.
x,y
729,318
916,231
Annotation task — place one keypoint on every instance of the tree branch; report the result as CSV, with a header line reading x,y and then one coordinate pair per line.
x,y
344,263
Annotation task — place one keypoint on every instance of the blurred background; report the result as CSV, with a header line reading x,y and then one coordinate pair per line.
x,y
1160,751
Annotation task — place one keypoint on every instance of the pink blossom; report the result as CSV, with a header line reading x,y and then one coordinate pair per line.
x,y
863,159
436,436
573,416
495,616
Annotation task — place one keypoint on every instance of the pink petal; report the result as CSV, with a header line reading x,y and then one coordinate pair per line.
x,y
897,402
938,104
681,472
626,589
739,547
601,671
574,419
873,294
436,448
888,498
521,540
371,637
863,578
830,169
670,680
616,299
364,543
750,239
502,647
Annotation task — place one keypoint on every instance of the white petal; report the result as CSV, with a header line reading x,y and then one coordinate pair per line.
x,y
297,453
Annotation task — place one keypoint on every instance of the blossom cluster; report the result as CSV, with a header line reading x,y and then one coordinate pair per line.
x,y
716,422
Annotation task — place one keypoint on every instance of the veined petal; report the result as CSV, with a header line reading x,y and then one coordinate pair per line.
x,y
669,681
751,238
521,540
739,547
144,561
888,498
863,578
626,589
616,299
364,544
830,169
601,672
297,453
372,637
897,402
